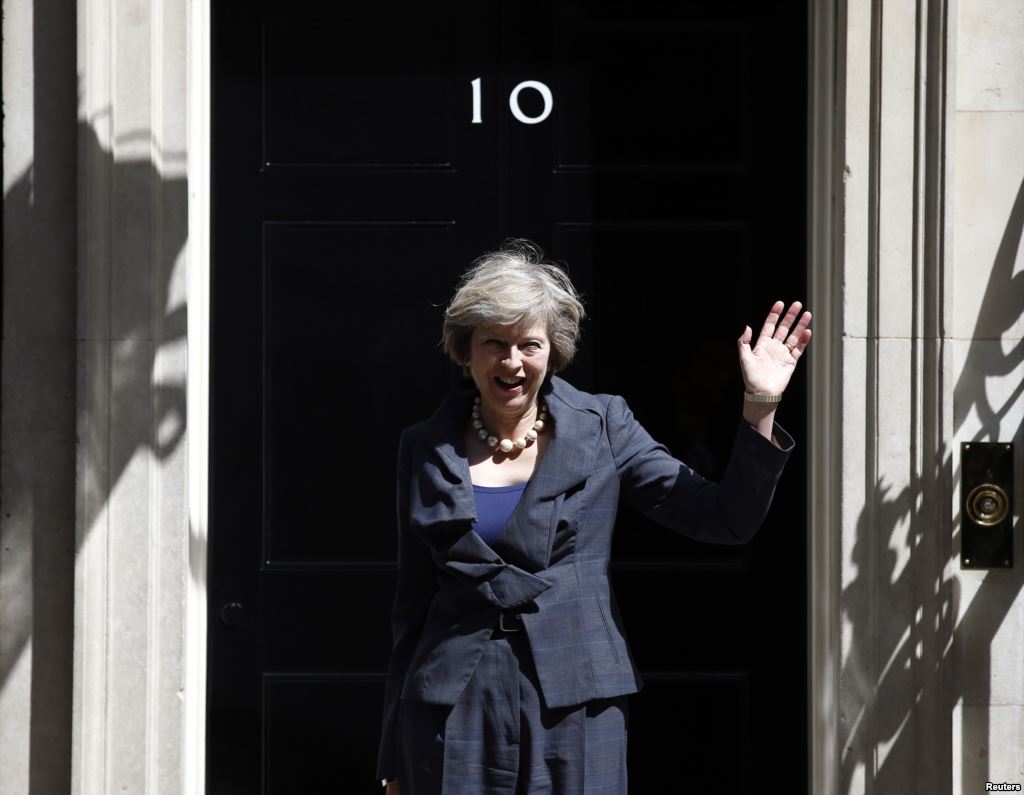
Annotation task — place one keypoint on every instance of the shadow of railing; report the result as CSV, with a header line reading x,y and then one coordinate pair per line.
x,y
145,410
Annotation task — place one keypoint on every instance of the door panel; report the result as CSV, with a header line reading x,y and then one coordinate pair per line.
x,y
350,189
346,93
312,273
618,80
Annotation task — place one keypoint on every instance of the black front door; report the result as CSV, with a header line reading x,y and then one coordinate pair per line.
x,y
362,157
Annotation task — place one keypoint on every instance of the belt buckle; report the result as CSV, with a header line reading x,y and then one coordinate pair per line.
x,y
501,623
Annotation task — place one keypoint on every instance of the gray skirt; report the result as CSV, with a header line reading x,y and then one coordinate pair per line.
x,y
500,739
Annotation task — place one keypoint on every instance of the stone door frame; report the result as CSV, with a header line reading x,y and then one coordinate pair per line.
x,y
847,184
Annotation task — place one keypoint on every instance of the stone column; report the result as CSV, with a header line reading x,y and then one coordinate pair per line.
x,y
131,572
924,352
883,591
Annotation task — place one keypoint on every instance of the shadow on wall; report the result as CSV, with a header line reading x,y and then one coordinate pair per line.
x,y
145,418
927,667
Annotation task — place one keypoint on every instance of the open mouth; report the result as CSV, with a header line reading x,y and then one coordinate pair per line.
x,y
509,384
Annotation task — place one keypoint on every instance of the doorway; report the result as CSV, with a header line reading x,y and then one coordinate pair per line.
x,y
360,160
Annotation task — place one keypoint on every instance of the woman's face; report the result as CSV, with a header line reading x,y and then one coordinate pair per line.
x,y
508,364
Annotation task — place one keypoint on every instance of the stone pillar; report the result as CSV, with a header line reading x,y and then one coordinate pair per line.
x,y
924,350
896,593
131,572
881,545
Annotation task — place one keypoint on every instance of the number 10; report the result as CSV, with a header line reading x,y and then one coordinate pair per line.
x,y
513,101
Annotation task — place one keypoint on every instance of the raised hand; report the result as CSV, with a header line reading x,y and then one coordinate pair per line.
x,y
768,365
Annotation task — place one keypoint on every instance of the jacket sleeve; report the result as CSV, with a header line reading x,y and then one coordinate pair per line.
x,y
667,491
417,584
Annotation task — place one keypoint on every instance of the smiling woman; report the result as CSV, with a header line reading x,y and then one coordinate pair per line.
x,y
514,320
508,365
510,670
514,287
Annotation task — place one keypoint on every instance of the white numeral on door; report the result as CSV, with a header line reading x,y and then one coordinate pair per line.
x,y
540,88
513,101
476,101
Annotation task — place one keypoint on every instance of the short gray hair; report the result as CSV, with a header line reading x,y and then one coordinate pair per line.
x,y
514,286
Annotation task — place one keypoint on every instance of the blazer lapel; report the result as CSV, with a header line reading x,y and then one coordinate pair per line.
x,y
568,461
442,508
575,441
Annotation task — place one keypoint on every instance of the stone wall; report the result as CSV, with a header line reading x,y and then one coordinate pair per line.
x,y
987,339
930,312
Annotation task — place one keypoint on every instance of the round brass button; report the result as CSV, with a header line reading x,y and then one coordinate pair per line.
x,y
987,504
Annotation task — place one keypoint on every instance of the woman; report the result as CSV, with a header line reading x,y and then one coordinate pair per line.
x,y
510,670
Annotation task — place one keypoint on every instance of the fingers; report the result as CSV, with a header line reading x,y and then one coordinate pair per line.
x,y
782,329
798,348
798,330
768,329
796,336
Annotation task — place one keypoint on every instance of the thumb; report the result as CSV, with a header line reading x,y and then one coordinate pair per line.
x,y
743,344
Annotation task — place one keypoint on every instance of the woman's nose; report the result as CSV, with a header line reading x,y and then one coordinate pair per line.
x,y
513,356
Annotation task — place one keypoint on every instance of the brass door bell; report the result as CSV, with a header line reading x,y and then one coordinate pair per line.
x,y
986,505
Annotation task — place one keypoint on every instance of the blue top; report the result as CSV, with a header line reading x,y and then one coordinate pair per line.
x,y
494,505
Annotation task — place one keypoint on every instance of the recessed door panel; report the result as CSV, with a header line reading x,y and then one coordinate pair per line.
x,y
347,93
350,325
649,96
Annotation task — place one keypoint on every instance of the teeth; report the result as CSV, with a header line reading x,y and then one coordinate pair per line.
x,y
508,380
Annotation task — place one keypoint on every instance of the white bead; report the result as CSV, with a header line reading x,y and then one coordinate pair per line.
x,y
507,445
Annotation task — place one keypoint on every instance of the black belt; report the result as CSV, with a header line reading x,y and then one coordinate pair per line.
x,y
509,621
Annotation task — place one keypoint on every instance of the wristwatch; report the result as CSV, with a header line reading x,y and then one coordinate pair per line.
x,y
755,397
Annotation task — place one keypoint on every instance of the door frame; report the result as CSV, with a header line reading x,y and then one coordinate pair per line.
x,y
824,162
198,92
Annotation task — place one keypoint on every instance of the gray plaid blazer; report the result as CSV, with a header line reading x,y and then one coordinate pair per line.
x,y
550,562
